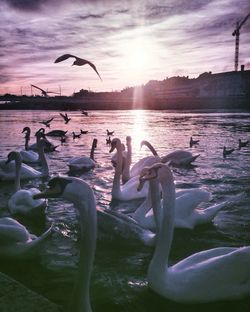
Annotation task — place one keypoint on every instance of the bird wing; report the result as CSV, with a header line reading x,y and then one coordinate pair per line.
x,y
38,88
49,120
64,57
93,66
62,115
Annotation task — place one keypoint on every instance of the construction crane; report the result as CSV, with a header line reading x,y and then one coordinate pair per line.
x,y
236,33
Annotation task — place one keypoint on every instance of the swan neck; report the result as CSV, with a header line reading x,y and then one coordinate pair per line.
x,y
126,168
151,148
43,160
26,142
88,233
118,171
165,232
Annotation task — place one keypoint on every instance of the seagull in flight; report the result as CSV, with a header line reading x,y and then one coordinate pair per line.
x,y
65,117
44,93
47,122
79,61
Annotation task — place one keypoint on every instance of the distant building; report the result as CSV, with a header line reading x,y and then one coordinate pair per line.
x,y
207,85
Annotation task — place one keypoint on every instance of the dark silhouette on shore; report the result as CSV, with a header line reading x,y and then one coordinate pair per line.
x,y
79,62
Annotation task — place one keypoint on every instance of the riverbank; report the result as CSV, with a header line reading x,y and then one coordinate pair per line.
x,y
96,103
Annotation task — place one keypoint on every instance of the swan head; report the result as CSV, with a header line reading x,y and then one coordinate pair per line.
x,y
26,129
40,132
56,188
159,170
128,140
70,188
143,142
114,143
14,155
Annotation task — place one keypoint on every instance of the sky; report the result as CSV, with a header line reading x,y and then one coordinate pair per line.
x,y
130,42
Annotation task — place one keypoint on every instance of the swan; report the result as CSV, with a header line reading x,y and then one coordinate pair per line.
x,y
28,156
49,147
22,202
145,161
17,242
127,191
83,163
211,275
188,210
8,168
175,158
82,196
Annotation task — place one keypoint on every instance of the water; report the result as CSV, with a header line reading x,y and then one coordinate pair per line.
x,y
119,280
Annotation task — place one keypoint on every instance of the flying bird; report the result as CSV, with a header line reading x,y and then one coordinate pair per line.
x,y
65,117
47,122
79,61
44,93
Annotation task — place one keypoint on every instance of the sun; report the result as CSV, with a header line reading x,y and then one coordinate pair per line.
x,y
137,57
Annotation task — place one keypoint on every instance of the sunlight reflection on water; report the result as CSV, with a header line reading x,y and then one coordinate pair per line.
x,y
227,179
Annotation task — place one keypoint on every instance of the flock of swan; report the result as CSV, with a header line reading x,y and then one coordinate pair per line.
x,y
215,274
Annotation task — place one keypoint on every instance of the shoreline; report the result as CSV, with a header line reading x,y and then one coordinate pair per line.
x,y
123,104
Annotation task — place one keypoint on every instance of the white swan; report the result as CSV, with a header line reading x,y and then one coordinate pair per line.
x,y
28,156
145,161
127,191
188,210
22,202
81,195
175,158
49,147
83,163
8,168
17,242
216,274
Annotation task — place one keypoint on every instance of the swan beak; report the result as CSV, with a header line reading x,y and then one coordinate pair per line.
x,y
48,193
112,148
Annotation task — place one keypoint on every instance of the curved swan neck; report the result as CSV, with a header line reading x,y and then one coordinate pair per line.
x,y
88,232
146,143
165,233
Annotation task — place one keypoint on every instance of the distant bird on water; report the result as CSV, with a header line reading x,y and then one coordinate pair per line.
x,y
79,62
193,142
242,144
44,93
85,113
227,151
65,117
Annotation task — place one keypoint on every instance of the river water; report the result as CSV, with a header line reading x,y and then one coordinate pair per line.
x,y
119,280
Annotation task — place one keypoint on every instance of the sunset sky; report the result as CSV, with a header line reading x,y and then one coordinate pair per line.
x,y
130,42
